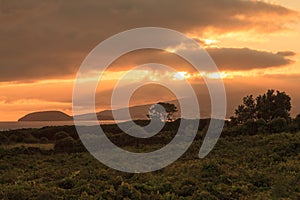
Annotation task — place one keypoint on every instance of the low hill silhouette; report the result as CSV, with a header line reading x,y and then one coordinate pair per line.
x,y
138,112
46,116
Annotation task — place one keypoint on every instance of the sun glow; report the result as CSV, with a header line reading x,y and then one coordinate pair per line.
x,y
215,75
181,76
210,42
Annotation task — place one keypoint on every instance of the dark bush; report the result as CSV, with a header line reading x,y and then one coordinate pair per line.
x,y
262,126
67,183
13,139
260,180
250,127
297,121
30,139
66,145
3,139
44,140
277,125
109,193
210,170
233,131
79,147
61,135
127,190
292,128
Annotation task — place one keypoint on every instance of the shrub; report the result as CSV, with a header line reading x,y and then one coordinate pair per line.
x,y
260,180
109,193
67,183
292,128
297,121
210,170
44,140
250,127
234,130
26,137
61,135
79,147
13,139
127,190
262,126
277,125
30,139
3,139
66,145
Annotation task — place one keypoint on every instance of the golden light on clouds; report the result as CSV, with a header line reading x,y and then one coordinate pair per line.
x,y
181,76
215,75
211,42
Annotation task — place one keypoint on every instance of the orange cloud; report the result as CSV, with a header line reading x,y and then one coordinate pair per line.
x,y
49,39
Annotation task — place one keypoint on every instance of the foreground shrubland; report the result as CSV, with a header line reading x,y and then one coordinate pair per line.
x,y
264,166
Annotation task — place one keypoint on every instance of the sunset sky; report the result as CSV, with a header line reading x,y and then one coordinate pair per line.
x,y
255,44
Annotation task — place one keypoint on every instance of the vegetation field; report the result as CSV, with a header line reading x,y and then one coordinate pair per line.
x,y
263,166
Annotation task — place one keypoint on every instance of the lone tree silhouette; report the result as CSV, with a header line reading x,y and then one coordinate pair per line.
x,y
162,111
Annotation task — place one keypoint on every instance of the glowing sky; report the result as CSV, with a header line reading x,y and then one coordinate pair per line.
x,y
255,44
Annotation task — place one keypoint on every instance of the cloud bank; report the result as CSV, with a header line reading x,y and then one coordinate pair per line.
x,y
49,39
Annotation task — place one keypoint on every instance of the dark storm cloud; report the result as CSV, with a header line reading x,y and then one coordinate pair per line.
x,y
229,59
46,39
247,59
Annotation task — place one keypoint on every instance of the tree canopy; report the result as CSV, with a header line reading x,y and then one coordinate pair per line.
x,y
162,111
268,106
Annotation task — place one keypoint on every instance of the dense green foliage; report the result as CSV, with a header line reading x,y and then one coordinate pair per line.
x,y
264,166
267,113
267,106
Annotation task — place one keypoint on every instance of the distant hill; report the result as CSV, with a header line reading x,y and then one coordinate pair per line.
x,y
141,111
47,116
136,112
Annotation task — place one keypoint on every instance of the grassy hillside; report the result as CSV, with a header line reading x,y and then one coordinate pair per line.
x,y
242,167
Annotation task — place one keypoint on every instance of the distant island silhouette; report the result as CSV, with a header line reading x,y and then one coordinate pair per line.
x,y
136,112
46,116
